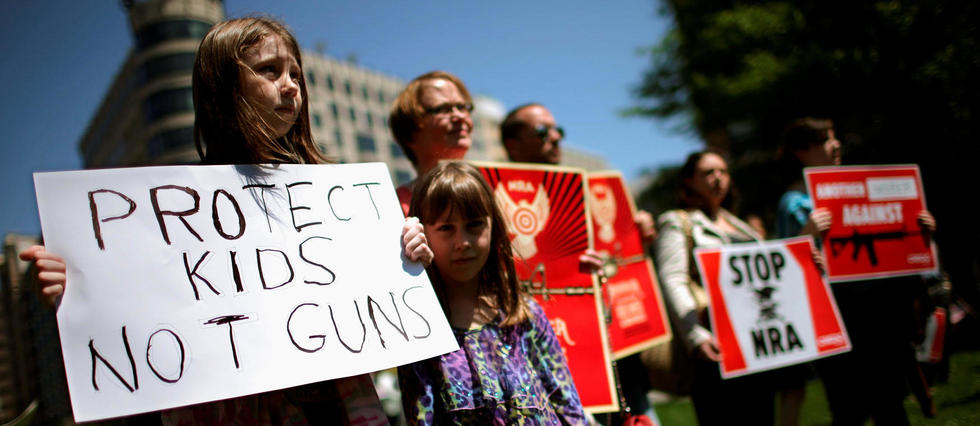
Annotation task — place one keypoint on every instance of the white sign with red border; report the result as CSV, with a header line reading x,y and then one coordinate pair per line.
x,y
769,306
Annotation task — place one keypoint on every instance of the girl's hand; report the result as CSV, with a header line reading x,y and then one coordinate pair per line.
x,y
644,221
927,224
818,223
708,350
413,239
50,273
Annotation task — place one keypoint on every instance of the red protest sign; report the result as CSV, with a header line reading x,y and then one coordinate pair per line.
x,y
549,229
769,306
875,231
631,292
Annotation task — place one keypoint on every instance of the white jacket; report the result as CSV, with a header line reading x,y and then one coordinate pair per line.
x,y
673,264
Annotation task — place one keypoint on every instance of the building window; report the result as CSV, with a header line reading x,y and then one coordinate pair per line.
x,y
353,115
339,138
330,83
403,176
166,102
164,65
170,140
381,97
396,150
347,88
311,78
335,111
364,92
159,32
365,143
368,119
317,120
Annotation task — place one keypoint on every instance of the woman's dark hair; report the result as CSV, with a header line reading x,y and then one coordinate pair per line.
x,y
688,198
799,135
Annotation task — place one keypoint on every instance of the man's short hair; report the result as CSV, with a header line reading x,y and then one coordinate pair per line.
x,y
511,125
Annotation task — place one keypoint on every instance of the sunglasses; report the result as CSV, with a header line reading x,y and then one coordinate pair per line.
x,y
447,108
542,131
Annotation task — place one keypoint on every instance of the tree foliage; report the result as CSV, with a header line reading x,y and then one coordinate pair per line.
x,y
899,79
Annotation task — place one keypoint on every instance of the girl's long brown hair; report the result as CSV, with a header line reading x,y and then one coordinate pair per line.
x,y
459,188
229,130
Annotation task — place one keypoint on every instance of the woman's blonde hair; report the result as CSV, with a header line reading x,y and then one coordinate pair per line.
x,y
227,128
459,188
407,110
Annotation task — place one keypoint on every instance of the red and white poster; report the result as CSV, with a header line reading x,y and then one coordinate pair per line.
x,y
769,306
549,229
874,231
632,295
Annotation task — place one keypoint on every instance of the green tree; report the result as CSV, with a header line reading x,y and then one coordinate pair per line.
x,y
899,79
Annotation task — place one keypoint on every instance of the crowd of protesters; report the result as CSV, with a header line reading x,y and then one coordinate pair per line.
x,y
258,113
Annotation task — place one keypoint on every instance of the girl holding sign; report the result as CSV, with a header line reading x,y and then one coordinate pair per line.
x,y
510,367
705,222
251,107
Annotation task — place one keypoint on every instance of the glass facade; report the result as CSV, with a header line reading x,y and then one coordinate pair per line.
x,y
164,65
166,102
162,31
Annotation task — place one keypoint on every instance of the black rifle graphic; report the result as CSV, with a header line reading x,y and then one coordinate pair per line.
x,y
865,242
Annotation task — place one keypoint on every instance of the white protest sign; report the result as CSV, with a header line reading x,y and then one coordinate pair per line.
x,y
189,284
769,306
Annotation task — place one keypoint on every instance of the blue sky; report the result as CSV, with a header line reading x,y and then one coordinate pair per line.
x,y
580,58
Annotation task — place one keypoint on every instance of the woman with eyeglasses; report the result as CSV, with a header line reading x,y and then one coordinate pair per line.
x,y
431,121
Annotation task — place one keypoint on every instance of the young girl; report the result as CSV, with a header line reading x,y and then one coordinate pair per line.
x,y
251,106
510,367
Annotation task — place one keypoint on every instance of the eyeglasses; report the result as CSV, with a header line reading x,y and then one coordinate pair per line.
x,y
447,108
542,131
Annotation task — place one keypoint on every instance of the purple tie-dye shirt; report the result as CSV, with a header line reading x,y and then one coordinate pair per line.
x,y
500,375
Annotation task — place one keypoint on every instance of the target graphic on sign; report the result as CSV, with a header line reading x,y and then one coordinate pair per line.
x,y
526,219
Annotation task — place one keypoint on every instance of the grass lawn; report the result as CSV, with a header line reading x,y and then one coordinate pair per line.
x,y
957,402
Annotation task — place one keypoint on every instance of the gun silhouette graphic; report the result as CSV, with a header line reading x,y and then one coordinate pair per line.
x,y
865,242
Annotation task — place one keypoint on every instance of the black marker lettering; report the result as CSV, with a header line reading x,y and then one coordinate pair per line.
x,y
258,260
236,274
180,346
217,219
302,255
180,215
400,327
337,329
229,319
322,337
93,207
428,328
129,354
265,208
292,208
193,273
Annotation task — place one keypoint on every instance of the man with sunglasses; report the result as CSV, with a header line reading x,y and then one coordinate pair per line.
x,y
530,135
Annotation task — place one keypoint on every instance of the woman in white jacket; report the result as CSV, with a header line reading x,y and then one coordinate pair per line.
x,y
704,222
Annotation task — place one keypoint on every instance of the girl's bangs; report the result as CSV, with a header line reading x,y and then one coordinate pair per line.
x,y
458,194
